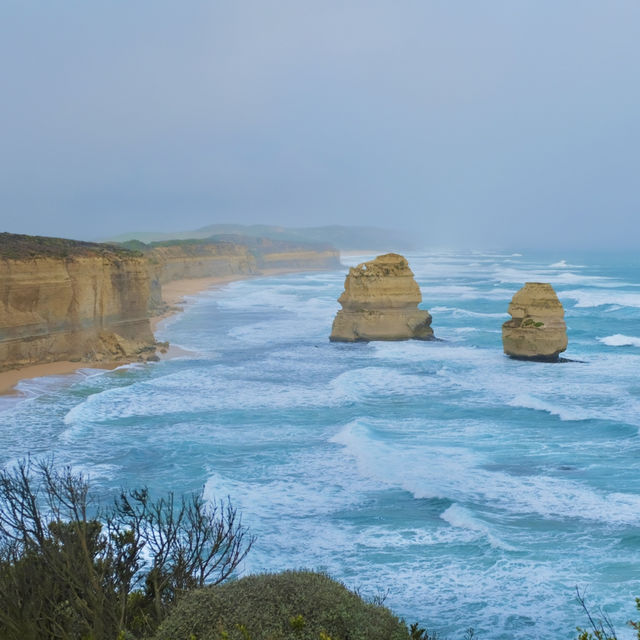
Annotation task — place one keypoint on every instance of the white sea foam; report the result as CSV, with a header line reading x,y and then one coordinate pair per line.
x,y
462,292
458,312
227,389
586,298
460,517
573,413
219,388
554,276
458,474
369,384
619,340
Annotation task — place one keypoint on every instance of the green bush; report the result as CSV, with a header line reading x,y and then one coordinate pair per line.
x,y
293,605
72,570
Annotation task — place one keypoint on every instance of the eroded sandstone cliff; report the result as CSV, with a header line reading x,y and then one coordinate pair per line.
x,y
229,255
66,300
537,330
71,300
380,302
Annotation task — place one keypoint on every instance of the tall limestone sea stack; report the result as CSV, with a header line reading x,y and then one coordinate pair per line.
x,y
380,302
537,330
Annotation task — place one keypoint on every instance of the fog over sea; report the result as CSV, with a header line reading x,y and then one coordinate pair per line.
x,y
477,490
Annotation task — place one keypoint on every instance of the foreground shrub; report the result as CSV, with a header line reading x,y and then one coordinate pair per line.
x,y
72,570
294,605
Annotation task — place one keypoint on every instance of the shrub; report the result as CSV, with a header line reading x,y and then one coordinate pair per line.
x,y
70,569
293,605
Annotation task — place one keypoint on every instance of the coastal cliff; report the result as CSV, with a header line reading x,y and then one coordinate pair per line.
x,y
184,260
380,302
272,253
87,302
225,256
68,300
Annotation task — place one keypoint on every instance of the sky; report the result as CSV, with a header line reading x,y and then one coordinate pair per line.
x,y
493,123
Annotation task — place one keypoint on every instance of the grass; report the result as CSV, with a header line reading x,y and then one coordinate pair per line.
x,y
15,246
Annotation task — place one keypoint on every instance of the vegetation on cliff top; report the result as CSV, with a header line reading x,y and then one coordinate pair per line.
x,y
256,245
292,605
15,246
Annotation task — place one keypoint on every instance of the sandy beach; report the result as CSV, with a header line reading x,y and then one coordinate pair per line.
x,y
173,294
9,379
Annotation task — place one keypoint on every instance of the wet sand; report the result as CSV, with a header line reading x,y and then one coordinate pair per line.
x,y
9,379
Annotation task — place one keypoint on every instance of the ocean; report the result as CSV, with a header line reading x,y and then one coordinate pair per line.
x,y
465,488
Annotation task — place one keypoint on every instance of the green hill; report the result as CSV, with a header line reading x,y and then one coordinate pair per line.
x,y
345,238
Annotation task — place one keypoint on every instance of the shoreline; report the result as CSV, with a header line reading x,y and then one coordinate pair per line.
x,y
173,295
11,378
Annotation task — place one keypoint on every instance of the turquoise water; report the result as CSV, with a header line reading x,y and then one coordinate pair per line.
x,y
478,491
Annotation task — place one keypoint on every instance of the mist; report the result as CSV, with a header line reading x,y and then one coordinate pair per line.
x,y
465,124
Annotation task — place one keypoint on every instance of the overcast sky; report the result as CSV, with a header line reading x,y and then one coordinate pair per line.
x,y
474,123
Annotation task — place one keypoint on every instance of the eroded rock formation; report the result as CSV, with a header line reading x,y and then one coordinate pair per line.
x,y
380,302
537,330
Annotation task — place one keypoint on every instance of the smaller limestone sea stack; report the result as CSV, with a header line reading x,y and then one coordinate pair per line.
x,y
380,302
537,330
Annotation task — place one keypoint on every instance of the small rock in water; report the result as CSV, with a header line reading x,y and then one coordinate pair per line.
x,y
537,330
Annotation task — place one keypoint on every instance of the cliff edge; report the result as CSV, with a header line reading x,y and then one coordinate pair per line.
x,y
68,300
380,302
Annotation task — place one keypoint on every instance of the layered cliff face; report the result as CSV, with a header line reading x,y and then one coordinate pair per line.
x,y
273,253
186,260
227,256
380,302
200,260
537,330
73,303
305,260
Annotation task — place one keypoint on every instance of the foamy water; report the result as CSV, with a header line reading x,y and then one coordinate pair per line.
x,y
478,490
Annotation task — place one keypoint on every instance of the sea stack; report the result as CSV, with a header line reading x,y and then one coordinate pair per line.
x,y
380,302
537,330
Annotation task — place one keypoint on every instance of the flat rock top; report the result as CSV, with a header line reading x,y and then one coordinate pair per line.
x,y
536,299
389,264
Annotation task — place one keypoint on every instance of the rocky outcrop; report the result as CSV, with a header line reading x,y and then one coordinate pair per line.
x,y
537,330
61,300
380,302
